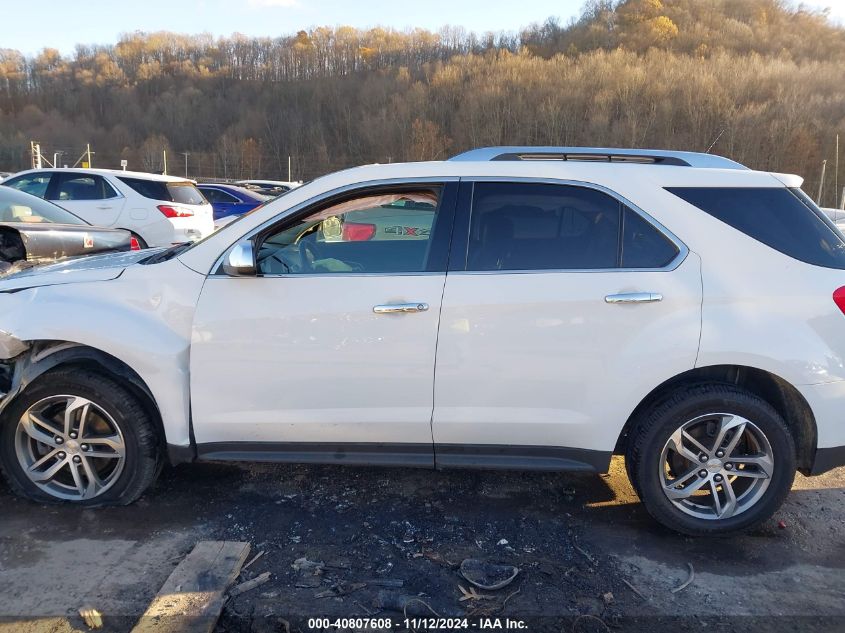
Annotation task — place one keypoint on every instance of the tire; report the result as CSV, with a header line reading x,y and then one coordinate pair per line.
x,y
111,457
726,492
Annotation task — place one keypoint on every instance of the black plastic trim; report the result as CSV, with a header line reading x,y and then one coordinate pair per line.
x,y
504,457
827,459
354,453
441,456
178,454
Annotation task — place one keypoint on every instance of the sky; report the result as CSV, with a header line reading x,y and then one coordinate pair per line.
x,y
62,24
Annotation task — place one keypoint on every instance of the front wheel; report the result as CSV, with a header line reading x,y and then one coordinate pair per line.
x,y
712,459
78,436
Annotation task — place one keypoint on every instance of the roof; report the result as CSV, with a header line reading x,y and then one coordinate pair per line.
x,y
284,183
107,172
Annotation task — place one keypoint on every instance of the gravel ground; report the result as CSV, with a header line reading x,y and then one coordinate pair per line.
x,y
590,558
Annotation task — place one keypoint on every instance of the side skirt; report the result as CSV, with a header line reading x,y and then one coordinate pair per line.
x,y
353,453
443,456
498,457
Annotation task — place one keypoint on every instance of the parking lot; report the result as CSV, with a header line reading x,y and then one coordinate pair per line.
x,y
584,546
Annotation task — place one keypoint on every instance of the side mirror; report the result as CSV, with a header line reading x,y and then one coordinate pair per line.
x,y
240,262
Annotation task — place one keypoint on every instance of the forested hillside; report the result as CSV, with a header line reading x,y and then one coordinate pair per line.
x,y
762,81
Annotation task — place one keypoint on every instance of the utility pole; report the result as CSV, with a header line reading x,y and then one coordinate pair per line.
x,y
164,160
289,176
185,154
821,183
836,172
88,153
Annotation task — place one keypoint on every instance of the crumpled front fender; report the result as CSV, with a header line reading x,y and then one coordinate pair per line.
x,y
11,346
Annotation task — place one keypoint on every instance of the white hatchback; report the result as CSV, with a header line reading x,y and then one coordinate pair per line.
x,y
158,210
528,308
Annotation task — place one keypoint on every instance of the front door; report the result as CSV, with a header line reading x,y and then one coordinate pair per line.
x,y
562,309
328,353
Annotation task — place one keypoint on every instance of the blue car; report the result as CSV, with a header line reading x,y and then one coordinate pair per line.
x,y
229,200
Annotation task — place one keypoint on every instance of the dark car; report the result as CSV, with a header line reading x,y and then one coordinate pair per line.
x,y
231,200
33,230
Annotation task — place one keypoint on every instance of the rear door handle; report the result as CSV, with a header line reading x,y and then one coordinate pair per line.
x,y
399,308
634,297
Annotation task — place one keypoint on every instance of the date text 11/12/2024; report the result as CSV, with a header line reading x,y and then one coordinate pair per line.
x,y
482,624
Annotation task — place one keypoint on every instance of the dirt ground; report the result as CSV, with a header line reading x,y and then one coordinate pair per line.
x,y
590,558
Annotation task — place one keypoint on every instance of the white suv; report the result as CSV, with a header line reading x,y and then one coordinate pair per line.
x,y
158,210
528,308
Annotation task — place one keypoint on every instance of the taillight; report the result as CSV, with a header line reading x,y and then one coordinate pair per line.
x,y
134,245
355,232
839,298
175,212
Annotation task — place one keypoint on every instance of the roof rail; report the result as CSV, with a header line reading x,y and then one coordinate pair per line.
x,y
600,154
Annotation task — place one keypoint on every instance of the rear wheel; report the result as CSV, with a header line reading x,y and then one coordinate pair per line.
x,y
77,436
712,459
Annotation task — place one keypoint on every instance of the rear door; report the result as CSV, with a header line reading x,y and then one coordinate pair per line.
x,y
563,307
89,196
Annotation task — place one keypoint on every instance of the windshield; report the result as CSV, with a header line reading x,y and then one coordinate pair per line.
x,y
18,206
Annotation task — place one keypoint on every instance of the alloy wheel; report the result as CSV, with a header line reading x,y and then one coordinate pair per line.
x,y
70,447
716,466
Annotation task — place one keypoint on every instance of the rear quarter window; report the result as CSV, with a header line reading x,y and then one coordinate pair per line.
x,y
778,217
152,189
181,192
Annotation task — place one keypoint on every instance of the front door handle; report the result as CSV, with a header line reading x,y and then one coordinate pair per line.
x,y
634,297
400,308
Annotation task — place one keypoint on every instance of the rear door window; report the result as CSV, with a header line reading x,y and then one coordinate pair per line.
x,y
780,218
528,226
82,187
643,246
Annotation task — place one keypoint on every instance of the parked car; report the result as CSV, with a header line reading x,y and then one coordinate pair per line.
x,y
33,230
273,188
676,308
158,210
230,200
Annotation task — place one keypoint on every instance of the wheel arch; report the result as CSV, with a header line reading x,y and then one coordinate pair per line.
x,y
44,356
779,393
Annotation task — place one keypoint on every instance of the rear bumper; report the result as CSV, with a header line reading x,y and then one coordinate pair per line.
x,y
192,228
827,459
